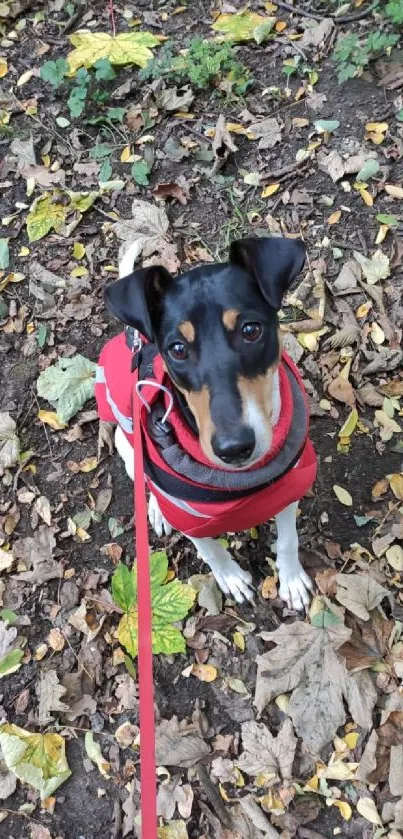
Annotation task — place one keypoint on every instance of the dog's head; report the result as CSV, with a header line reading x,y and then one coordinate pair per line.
x,y
217,330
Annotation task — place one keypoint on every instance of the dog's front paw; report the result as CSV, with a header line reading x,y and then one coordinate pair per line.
x,y
296,588
160,525
229,576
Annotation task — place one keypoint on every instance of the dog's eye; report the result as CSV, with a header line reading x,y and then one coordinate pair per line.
x,y
251,331
178,351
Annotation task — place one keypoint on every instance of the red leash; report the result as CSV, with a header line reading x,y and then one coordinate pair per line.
x,y
148,779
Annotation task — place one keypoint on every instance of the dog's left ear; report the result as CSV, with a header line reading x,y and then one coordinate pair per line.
x,y
134,299
273,262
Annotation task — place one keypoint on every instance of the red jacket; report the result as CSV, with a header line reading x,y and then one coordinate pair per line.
x,y
195,496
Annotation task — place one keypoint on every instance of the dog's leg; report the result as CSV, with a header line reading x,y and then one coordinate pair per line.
x,y
229,576
155,517
295,584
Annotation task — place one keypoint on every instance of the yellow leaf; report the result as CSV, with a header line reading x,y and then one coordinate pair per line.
x,y
377,334
334,217
366,808
342,806
343,496
394,191
312,785
3,67
375,137
204,672
25,77
280,26
88,464
382,233
50,211
363,310
351,739
270,190
396,484
236,128
367,197
36,759
244,26
309,340
239,641
175,829
127,155
79,271
24,251
51,418
378,127
94,753
283,701
78,250
349,425
122,49
300,122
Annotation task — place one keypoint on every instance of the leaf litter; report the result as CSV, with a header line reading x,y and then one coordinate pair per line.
x,y
187,172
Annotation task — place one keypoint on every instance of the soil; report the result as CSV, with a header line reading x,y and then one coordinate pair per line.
x,y
89,805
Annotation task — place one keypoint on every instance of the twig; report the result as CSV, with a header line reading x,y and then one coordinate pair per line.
x,y
284,172
20,469
112,17
314,16
72,21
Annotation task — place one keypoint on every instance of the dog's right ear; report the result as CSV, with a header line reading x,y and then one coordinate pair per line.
x,y
133,299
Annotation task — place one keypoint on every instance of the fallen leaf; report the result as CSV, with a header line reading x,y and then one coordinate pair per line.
x,y
49,692
51,418
223,145
360,594
306,662
171,190
176,748
342,390
244,26
270,190
9,442
36,552
148,229
67,385
204,672
366,808
394,555
175,830
396,485
121,49
264,753
170,100
93,751
316,34
36,759
268,131
375,269
10,652
51,210
394,191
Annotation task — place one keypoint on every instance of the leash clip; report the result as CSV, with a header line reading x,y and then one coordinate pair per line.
x,y
139,385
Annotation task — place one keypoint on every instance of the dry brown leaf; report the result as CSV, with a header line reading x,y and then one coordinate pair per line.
x,y
268,130
36,552
342,390
148,228
174,748
264,753
306,662
360,594
49,692
223,145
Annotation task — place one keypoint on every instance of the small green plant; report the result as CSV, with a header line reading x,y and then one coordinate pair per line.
x,y
296,66
171,602
205,64
83,87
352,53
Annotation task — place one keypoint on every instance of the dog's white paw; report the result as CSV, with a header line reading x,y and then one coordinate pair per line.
x,y
229,576
295,588
156,519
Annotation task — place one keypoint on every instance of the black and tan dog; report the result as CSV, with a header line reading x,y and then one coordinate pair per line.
x,y
233,450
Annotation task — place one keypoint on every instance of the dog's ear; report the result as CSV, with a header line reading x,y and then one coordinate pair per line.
x,y
273,262
133,299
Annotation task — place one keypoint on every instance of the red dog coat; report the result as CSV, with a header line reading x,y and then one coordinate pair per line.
x,y
195,496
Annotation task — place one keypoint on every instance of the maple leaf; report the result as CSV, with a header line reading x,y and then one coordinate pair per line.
x,y
264,753
306,662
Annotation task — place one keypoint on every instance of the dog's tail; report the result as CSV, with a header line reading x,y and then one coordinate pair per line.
x,y
129,258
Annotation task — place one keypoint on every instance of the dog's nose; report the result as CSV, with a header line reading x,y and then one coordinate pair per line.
x,y
234,449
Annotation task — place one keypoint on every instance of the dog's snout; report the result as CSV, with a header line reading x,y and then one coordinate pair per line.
x,y
234,449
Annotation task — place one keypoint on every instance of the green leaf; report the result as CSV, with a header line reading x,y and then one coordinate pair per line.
x,y
36,759
172,602
399,115
130,667
10,662
116,114
105,171
158,568
127,632
370,168
115,528
76,101
104,71
167,639
264,30
140,172
67,385
42,334
53,71
385,218
100,150
124,587
4,253
9,617
122,49
329,125
94,753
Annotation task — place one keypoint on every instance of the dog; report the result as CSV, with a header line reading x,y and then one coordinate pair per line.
x,y
225,413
